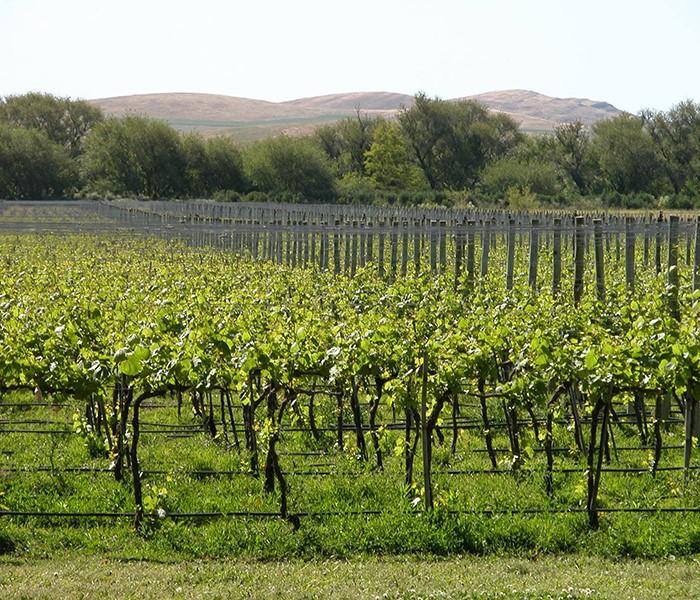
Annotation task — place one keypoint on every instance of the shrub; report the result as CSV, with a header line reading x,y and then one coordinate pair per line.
x,y
287,165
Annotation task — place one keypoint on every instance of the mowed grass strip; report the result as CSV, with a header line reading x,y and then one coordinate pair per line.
x,y
77,576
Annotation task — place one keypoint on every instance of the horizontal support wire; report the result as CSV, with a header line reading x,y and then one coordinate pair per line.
x,y
350,513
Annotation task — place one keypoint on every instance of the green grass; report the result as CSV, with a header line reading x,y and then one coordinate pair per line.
x,y
554,577
398,530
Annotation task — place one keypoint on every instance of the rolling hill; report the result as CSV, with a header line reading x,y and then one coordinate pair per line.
x,y
248,119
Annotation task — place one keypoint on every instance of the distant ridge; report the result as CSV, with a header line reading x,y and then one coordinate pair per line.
x,y
525,103
249,119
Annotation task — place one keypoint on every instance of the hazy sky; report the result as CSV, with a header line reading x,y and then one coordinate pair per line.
x,y
635,54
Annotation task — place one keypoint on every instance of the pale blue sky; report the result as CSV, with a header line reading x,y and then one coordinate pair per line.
x,y
635,54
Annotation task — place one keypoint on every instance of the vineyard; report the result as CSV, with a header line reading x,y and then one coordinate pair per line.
x,y
453,380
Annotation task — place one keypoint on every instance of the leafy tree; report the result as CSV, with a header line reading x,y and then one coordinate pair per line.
x,y
453,141
347,141
573,153
330,141
627,155
291,167
211,166
194,153
64,121
388,161
32,166
134,155
676,134
224,165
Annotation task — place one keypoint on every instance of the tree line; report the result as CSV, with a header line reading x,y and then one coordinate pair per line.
x,y
433,152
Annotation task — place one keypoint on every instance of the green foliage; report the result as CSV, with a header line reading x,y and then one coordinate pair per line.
x,y
64,121
356,189
627,155
389,163
212,166
573,154
676,135
95,444
521,198
171,319
228,196
134,156
538,177
53,147
32,166
291,167
453,141
346,143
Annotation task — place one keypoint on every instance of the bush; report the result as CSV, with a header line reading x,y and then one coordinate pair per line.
x,y
227,196
256,196
613,199
537,177
134,156
682,201
521,198
284,166
32,166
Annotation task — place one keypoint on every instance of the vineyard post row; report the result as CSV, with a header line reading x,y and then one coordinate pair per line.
x,y
397,241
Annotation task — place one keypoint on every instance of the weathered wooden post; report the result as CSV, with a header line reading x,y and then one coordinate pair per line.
x,y
425,435
336,252
443,246
459,249
510,262
470,254
556,258
657,249
673,267
394,250
629,253
599,259
534,251
404,249
696,264
579,250
433,247
416,250
485,246
380,252
353,257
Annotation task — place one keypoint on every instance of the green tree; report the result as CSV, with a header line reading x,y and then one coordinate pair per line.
x,y
627,155
32,166
346,142
194,154
389,162
64,121
676,134
224,165
573,153
134,156
293,167
211,165
453,141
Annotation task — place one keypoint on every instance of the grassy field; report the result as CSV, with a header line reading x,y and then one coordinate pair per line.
x,y
191,472
554,577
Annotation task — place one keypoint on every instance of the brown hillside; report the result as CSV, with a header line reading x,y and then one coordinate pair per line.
x,y
538,106
198,107
249,119
370,101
